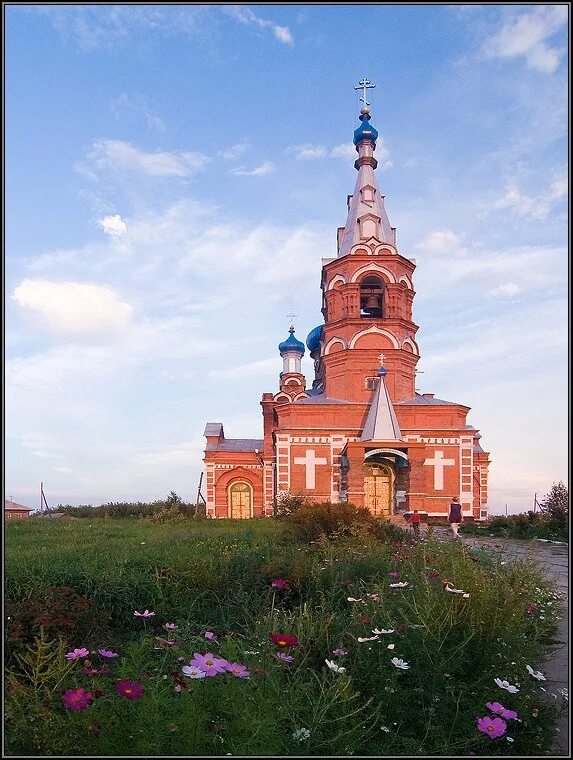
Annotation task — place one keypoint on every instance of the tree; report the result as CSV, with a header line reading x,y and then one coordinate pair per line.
x,y
556,504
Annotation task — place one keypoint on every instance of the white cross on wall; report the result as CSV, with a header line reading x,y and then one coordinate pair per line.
x,y
439,463
310,461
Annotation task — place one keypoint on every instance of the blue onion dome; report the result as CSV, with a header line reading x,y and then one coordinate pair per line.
x,y
313,339
365,131
291,344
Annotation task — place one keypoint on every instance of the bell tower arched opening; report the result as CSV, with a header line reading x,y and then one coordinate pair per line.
x,y
372,298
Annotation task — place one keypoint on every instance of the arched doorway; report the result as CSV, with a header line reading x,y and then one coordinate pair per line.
x,y
240,500
378,489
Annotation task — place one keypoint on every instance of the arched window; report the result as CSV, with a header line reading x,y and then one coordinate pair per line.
x,y
372,298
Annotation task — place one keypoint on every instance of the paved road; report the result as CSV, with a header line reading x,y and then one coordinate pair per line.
x,y
553,560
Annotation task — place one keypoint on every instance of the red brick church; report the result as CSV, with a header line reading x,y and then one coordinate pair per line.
x,y
361,432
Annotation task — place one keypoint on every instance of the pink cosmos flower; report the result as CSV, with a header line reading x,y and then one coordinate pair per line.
x,y
283,657
146,614
77,699
129,689
280,583
394,574
208,663
177,689
96,671
499,709
340,652
77,654
210,636
170,626
239,671
374,597
192,671
107,653
284,639
492,727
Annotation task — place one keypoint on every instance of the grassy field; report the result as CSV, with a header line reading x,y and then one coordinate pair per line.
x,y
76,583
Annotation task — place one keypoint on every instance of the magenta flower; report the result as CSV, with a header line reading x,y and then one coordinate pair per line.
x,y
499,709
340,652
210,636
129,689
492,727
77,654
146,614
281,583
107,653
283,657
77,699
208,663
170,626
239,671
394,574
96,671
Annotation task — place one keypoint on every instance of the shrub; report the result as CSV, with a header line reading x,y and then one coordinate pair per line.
x,y
311,522
285,504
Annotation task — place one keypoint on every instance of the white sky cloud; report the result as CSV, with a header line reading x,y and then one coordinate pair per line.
x,y
76,308
247,16
136,108
118,155
442,242
234,152
113,226
505,290
526,36
259,171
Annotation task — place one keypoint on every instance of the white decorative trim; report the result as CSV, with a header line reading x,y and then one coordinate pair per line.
x,y
300,395
335,279
376,268
381,249
280,396
292,381
377,330
407,282
412,343
331,343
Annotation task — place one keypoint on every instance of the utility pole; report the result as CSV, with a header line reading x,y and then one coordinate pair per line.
x,y
506,510
534,502
41,497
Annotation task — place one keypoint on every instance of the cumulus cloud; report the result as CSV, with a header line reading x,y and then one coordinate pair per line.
x,y
258,171
113,226
75,308
505,290
118,155
442,242
526,36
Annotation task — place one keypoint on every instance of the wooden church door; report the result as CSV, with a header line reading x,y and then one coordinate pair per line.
x,y
241,501
378,491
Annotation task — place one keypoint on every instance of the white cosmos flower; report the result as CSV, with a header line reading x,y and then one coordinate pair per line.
x,y
400,584
385,728
301,734
335,668
381,631
390,646
506,685
535,673
455,590
398,663
352,599
192,672
363,639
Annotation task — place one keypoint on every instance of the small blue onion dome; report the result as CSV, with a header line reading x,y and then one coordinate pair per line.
x,y
382,372
313,339
365,131
291,344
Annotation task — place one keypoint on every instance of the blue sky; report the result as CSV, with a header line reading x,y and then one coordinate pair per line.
x,y
175,174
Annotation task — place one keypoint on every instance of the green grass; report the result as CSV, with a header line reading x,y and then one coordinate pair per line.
x,y
216,575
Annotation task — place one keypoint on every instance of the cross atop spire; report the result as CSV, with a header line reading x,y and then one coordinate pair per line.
x,y
365,84
292,317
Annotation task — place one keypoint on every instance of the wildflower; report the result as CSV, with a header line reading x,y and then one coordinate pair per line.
x,y
335,668
398,663
390,646
146,614
382,630
77,699
432,574
509,739
107,653
77,654
210,636
165,642
565,694
454,590
209,663
96,671
129,689
402,584
385,728
283,657
301,734
191,671
394,574
362,639
535,673
98,693
181,659
170,626
352,599
178,689
499,709
340,652
239,671
492,727
281,584
284,639
505,685
374,597
252,652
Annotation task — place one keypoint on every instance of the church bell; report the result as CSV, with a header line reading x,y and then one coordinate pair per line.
x,y
372,302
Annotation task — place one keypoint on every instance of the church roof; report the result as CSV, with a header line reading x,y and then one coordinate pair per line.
x,y
214,428
9,504
426,398
237,444
381,423
291,344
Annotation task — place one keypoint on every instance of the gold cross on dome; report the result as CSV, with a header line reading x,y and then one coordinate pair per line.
x,y
381,357
365,84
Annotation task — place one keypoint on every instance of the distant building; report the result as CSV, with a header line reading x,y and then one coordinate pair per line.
x,y
14,511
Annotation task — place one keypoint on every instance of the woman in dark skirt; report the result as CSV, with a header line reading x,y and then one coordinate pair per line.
x,y
455,517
